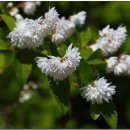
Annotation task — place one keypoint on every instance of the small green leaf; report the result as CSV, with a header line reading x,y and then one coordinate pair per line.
x,y
96,62
96,55
94,111
85,53
108,111
85,36
61,92
9,21
22,63
86,72
4,45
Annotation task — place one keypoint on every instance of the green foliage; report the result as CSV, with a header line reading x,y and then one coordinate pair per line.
x,y
87,74
22,63
9,21
85,36
108,111
61,91
94,111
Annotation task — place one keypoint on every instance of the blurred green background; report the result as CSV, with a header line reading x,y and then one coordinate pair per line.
x,y
41,110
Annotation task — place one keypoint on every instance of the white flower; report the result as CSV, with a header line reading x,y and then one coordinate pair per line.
x,y
64,29
79,18
28,33
9,5
60,67
119,65
99,91
14,11
110,40
50,20
30,7
18,16
123,66
111,63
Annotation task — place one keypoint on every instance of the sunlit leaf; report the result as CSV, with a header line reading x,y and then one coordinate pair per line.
x,y
9,21
85,53
85,36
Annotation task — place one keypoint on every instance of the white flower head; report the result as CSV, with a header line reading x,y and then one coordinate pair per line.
x,y
50,21
18,16
79,18
60,67
123,66
30,7
64,29
13,11
110,40
111,63
99,91
119,65
28,33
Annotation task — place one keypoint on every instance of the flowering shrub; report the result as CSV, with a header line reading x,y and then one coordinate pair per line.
x,y
59,49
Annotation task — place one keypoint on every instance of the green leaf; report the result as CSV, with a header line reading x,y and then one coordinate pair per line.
x,y
87,75
108,111
96,62
61,92
96,55
9,21
1,8
85,36
94,111
61,49
85,53
4,45
22,63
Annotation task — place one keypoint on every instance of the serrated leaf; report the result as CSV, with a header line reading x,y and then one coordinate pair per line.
x,y
108,111
22,63
94,111
61,92
87,75
85,53
9,21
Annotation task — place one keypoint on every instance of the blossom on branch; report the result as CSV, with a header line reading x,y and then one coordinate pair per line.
x,y
60,67
98,91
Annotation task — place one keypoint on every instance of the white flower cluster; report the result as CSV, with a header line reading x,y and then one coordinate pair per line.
x,y
27,92
97,92
14,11
79,18
29,7
119,65
27,34
65,28
30,33
60,67
110,40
